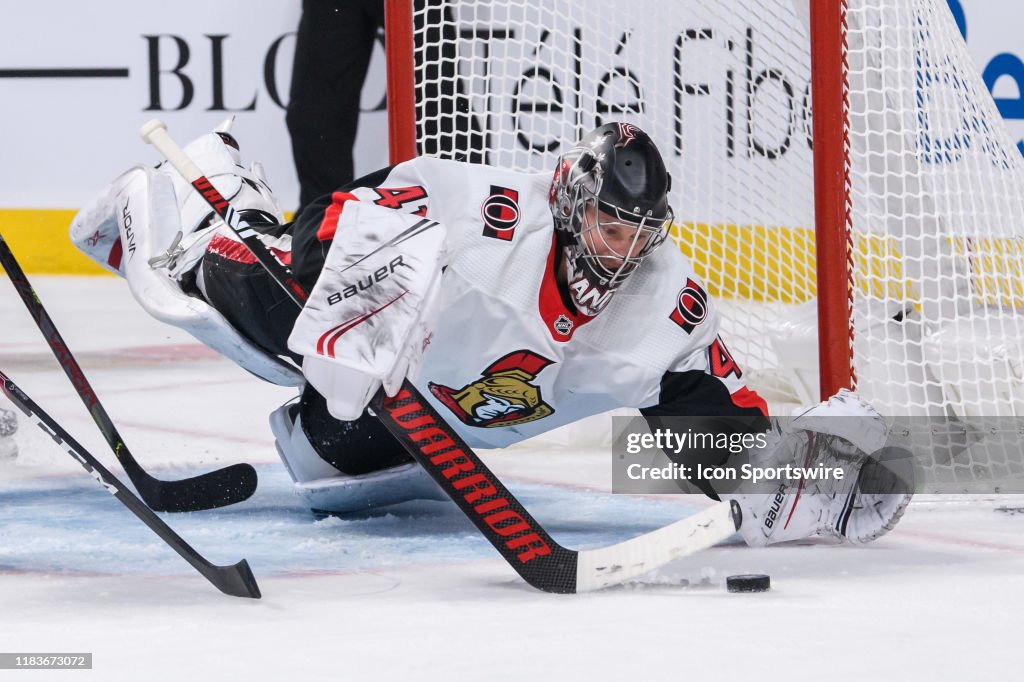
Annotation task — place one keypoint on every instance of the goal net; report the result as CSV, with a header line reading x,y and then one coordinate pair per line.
x,y
922,299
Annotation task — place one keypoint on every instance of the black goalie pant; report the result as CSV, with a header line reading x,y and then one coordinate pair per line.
x,y
255,305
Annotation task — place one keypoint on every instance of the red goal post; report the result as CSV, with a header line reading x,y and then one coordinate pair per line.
x,y
832,218
401,85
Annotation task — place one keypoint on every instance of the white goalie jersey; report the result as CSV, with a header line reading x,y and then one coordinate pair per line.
x,y
507,355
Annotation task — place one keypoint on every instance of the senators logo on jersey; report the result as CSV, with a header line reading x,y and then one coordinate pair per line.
x,y
500,213
503,396
691,306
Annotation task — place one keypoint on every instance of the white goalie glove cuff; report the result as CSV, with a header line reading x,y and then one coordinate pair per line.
x,y
847,416
369,318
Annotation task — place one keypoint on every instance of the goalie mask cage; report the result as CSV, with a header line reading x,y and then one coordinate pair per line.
x,y
875,244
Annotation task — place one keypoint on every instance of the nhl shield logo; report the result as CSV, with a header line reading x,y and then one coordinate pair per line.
x,y
503,395
563,325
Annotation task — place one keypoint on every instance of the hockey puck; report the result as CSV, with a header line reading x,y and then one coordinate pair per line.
x,y
750,582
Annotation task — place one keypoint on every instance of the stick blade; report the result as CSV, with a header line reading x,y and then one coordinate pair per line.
x,y
212,490
606,566
236,580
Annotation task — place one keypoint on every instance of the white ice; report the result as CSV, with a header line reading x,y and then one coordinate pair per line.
x,y
416,594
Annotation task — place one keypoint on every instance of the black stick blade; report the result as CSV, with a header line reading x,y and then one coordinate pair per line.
x,y
236,580
219,488
206,491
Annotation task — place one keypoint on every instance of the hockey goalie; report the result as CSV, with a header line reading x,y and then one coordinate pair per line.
x,y
515,302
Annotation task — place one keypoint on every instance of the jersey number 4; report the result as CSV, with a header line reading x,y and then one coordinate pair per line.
x,y
721,361
399,198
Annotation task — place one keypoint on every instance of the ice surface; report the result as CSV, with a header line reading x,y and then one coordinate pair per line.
x,y
415,593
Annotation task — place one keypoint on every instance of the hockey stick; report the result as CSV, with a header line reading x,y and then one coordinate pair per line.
x,y
460,472
236,580
214,489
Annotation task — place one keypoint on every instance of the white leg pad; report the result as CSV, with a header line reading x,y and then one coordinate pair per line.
x,y
129,212
299,457
343,494
130,227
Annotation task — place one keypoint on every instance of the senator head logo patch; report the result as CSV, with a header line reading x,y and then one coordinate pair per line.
x,y
503,396
500,213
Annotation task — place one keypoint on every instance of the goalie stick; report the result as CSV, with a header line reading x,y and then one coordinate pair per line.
x,y
236,580
460,472
218,488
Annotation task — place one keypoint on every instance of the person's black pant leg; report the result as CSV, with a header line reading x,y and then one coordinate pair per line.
x,y
332,54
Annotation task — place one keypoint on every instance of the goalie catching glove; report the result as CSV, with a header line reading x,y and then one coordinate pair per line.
x,y
863,504
369,318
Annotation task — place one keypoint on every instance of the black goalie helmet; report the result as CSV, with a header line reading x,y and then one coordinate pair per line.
x,y
609,198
